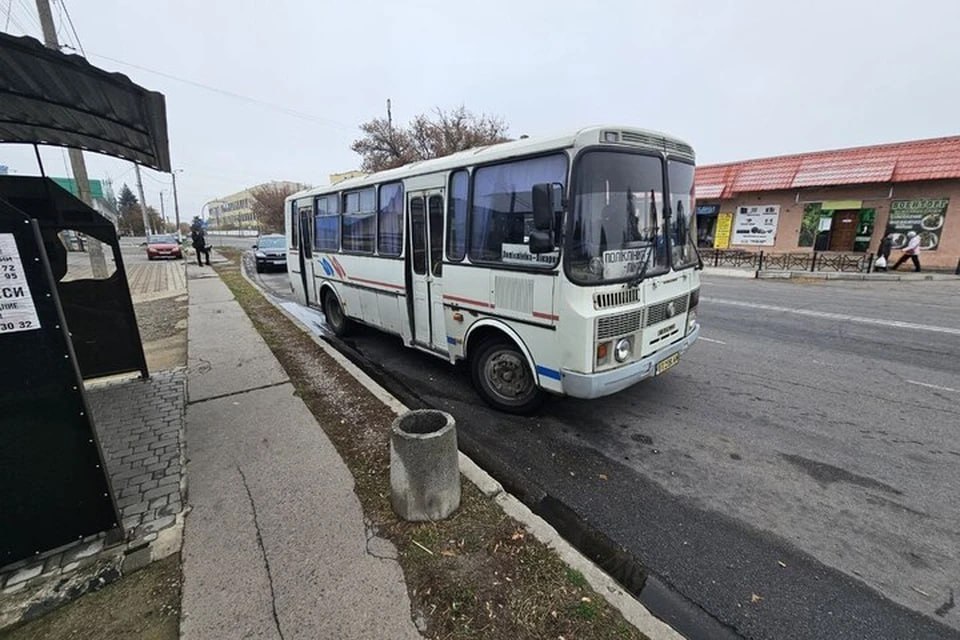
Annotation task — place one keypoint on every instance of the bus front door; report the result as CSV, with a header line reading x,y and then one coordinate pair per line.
x,y
306,253
425,269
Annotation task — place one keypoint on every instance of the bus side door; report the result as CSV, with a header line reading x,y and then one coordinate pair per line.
x,y
425,265
305,258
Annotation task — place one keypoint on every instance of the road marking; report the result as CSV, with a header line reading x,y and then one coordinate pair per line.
x,y
836,316
933,386
712,340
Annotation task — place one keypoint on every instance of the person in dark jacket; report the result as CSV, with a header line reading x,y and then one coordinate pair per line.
x,y
200,245
883,251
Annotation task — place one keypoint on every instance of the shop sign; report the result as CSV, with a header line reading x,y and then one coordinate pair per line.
x,y
724,226
708,209
756,225
923,215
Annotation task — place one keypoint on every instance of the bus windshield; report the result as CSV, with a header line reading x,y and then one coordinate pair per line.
x,y
616,231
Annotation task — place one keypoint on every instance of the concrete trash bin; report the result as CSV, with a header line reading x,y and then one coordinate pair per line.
x,y
424,465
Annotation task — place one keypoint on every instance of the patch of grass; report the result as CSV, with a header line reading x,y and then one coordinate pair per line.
x,y
144,605
477,574
576,578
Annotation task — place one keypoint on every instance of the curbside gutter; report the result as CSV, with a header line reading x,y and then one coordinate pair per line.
x,y
601,582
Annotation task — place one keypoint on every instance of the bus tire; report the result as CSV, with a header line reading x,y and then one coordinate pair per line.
x,y
336,319
502,377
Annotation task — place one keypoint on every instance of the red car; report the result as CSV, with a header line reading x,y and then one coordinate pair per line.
x,y
163,246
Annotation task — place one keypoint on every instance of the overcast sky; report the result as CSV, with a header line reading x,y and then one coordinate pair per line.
x,y
736,79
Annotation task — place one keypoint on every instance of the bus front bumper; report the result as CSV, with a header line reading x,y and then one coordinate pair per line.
x,y
597,385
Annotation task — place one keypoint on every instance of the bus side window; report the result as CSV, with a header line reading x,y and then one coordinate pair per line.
x,y
502,201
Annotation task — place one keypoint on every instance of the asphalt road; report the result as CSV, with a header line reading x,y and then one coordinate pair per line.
x,y
795,477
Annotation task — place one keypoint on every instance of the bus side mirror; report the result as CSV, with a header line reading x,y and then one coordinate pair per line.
x,y
541,242
542,208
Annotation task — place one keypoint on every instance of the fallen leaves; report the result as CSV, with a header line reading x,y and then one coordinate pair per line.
x,y
754,598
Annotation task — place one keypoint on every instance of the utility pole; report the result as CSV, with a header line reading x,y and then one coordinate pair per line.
x,y
163,214
98,264
143,201
176,202
389,115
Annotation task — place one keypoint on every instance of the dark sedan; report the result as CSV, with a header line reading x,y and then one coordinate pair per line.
x,y
271,252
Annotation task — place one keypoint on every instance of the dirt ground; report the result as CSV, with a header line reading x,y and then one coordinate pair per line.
x,y
163,330
142,606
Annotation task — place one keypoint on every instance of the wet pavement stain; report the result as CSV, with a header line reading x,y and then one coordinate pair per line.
x,y
946,606
827,474
736,456
642,438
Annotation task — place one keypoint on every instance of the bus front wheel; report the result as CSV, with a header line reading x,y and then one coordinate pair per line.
x,y
503,378
336,319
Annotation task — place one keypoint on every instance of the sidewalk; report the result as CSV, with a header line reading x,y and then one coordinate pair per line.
x,y
275,544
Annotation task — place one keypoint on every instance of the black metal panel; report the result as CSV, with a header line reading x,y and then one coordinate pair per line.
x,y
53,484
99,313
48,97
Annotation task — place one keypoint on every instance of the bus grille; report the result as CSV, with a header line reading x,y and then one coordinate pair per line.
x,y
616,298
670,146
666,310
618,325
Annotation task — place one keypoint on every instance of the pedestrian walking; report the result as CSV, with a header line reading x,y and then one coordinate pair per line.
x,y
883,253
200,245
912,251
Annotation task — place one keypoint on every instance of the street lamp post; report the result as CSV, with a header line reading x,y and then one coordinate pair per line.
x,y
206,205
176,201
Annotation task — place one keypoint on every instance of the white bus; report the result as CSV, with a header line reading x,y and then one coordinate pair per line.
x,y
563,265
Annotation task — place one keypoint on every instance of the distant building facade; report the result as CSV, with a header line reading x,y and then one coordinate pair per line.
x,y
843,200
235,211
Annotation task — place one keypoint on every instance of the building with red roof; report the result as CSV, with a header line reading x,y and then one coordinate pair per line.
x,y
843,200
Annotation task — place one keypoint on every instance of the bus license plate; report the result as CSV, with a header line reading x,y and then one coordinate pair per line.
x,y
667,362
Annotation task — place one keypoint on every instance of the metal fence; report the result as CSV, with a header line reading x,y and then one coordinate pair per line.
x,y
796,261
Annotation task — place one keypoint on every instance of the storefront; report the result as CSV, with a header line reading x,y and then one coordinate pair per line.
x,y
837,201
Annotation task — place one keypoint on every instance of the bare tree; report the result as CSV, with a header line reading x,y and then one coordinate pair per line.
x,y
268,204
384,146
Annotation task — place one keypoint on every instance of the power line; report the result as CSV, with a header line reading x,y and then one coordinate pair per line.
x,y
9,13
76,38
29,12
231,94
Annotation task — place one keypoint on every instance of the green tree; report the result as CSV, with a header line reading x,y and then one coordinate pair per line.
x,y
385,146
131,221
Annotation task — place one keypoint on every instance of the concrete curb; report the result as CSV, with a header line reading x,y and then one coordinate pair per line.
x,y
632,610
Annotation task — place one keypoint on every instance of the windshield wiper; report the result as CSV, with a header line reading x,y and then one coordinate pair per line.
x,y
642,273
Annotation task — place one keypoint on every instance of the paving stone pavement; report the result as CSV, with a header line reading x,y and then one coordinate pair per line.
x,y
140,425
147,280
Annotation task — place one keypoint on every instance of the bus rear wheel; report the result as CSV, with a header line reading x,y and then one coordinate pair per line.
x,y
336,318
503,378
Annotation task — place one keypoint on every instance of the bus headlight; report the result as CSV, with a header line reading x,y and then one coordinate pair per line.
x,y
691,320
623,349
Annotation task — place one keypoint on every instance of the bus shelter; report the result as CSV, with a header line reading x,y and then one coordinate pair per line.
x,y
56,332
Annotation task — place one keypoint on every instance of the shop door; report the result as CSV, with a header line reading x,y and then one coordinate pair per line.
x,y
843,231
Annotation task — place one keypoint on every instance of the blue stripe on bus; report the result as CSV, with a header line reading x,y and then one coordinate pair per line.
x,y
549,373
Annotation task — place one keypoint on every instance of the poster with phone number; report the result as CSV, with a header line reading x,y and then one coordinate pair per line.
x,y
17,311
756,225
